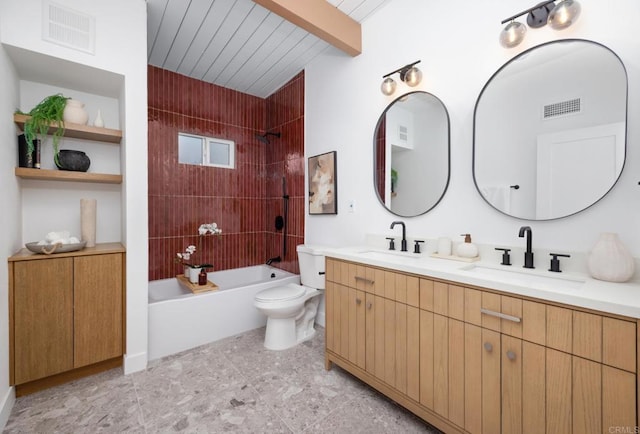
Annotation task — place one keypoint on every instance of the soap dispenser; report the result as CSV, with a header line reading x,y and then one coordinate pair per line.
x,y
467,249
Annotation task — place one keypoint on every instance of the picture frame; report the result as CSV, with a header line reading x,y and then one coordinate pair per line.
x,y
323,186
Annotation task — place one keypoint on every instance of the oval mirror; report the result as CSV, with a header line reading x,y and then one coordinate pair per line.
x,y
550,130
411,154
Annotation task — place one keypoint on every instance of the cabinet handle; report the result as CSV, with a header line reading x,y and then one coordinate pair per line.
x,y
369,305
500,315
488,347
365,280
511,355
358,301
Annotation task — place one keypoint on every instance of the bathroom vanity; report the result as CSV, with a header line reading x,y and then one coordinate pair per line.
x,y
468,353
65,315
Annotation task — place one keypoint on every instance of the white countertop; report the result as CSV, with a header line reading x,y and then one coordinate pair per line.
x,y
572,288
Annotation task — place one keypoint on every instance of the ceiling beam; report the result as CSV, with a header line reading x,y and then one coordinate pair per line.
x,y
322,19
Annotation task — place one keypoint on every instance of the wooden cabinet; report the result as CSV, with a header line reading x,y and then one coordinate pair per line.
x,y
536,368
66,314
370,324
474,360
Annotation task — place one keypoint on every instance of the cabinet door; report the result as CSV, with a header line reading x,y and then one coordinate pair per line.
x,y
43,318
98,295
356,327
329,297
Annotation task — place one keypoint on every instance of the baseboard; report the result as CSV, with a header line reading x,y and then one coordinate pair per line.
x,y
6,406
135,362
320,319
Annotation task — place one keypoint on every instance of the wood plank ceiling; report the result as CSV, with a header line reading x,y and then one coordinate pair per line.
x,y
237,44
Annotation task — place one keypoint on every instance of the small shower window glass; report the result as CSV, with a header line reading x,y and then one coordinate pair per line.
x,y
206,151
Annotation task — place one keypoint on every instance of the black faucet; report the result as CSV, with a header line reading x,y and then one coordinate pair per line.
x,y
528,255
276,259
404,234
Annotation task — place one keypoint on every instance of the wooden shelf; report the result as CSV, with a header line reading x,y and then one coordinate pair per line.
x,y
64,175
78,131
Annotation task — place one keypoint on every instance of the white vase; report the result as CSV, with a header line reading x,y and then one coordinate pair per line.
x,y
186,271
610,260
98,122
193,274
75,113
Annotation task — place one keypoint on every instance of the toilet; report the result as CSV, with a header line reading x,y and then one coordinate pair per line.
x,y
291,309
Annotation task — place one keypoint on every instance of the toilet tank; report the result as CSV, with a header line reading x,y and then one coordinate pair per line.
x,y
311,260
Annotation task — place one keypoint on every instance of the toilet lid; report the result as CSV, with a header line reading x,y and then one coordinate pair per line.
x,y
281,293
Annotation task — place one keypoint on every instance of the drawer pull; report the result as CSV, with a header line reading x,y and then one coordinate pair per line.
x,y
511,355
365,280
500,315
369,305
358,301
488,346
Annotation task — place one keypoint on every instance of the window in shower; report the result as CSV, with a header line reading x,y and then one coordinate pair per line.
x,y
206,151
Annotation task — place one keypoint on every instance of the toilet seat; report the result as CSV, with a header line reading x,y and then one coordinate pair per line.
x,y
281,293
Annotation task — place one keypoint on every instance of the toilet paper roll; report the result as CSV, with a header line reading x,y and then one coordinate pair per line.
x,y
88,221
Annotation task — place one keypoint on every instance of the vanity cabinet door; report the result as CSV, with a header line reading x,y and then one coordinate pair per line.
x,y
97,313
43,318
356,327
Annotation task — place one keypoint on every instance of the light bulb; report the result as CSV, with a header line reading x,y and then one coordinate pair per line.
x,y
412,77
513,34
564,14
388,86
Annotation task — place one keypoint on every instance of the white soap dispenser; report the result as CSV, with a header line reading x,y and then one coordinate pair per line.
x,y
467,249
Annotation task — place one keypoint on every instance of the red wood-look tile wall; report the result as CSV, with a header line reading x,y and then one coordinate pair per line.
x,y
242,201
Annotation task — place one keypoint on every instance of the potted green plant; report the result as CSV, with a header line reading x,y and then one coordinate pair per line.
x,y
48,112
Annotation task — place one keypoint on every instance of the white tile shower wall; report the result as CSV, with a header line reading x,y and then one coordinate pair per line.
x,y
343,103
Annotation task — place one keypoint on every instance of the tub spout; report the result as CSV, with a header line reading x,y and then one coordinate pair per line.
x,y
271,260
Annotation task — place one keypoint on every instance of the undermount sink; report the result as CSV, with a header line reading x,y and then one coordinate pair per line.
x,y
525,277
388,254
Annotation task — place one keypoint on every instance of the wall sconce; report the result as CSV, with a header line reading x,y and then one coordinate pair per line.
x,y
410,74
558,16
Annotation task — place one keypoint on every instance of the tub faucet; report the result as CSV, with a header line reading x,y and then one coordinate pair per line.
x,y
528,254
275,259
404,234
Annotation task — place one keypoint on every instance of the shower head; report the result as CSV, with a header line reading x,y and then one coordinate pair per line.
x,y
264,138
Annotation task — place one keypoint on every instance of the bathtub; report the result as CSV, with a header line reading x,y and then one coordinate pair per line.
x,y
180,320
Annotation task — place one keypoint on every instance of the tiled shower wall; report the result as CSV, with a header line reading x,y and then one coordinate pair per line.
x,y
242,201
284,168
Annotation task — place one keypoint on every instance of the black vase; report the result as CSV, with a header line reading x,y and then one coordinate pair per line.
x,y
26,158
76,161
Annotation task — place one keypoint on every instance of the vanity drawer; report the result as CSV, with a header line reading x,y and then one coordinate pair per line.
x,y
596,337
395,286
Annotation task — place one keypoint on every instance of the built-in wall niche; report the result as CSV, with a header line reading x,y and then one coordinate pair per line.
x,y
52,204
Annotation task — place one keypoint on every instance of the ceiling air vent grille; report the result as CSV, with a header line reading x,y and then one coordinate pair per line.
x,y
564,108
68,28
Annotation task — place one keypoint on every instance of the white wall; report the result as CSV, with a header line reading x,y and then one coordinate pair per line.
x,y
120,51
9,219
459,52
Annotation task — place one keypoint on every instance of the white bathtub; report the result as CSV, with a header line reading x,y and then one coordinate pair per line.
x,y
179,320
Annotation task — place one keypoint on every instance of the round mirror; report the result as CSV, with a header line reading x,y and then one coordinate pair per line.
x,y
550,130
411,154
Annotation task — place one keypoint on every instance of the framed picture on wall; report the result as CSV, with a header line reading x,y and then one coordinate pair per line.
x,y
323,192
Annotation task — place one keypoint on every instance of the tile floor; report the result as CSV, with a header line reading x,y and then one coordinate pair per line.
x,y
233,385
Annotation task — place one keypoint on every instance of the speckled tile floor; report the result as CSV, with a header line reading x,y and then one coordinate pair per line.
x,y
233,385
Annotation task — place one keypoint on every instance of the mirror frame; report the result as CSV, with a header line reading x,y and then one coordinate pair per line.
x,y
626,118
375,147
